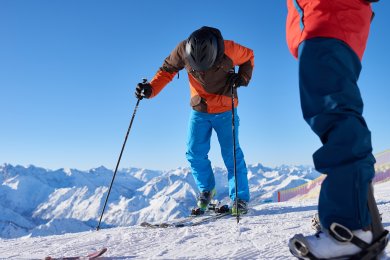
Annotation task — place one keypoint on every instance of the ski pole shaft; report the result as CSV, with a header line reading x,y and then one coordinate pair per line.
x,y
234,155
117,164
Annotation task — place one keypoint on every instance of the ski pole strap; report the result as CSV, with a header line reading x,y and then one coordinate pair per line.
x,y
343,234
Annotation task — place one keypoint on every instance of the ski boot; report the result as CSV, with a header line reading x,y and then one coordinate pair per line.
x,y
222,209
240,208
203,202
339,242
197,212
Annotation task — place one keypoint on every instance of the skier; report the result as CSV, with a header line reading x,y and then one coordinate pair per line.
x,y
209,61
329,39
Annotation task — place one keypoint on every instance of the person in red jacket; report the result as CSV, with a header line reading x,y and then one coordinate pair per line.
x,y
329,38
209,61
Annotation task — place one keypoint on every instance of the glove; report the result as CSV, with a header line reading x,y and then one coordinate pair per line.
x,y
235,80
143,90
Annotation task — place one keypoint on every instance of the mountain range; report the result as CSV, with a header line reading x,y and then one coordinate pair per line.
x,y
36,202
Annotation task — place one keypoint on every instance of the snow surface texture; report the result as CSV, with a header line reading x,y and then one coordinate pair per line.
x,y
262,234
40,202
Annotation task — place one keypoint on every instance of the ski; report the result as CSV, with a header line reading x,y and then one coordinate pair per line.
x,y
169,224
93,255
186,222
207,219
214,210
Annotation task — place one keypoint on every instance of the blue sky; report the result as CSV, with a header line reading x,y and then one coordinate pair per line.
x,y
68,70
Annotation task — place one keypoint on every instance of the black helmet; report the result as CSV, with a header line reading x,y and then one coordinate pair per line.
x,y
202,49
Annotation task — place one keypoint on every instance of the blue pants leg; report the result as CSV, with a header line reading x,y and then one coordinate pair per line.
x,y
332,106
198,147
222,124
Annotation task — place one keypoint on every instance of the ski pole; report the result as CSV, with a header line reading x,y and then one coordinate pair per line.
x,y
119,159
234,153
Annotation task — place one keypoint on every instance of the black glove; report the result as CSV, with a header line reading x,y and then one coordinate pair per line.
x,y
143,90
235,80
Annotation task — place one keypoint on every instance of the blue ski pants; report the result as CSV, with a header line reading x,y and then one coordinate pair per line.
x,y
332,105
198,146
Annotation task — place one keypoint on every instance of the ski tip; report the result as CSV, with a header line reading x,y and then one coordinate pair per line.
x,y
97,253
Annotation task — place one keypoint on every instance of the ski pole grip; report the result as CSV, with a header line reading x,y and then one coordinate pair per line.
x,y
144,81
231,72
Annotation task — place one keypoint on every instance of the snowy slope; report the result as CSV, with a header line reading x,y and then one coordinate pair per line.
x,y
263,234
36,201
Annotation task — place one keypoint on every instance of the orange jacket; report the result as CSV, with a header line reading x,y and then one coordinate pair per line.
x,y
346,20
209,90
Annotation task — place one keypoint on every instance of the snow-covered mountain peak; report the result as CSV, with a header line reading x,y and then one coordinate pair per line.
x,y
41,201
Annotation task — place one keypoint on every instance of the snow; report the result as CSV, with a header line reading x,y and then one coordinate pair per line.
x,y
13,183
262,234
64,212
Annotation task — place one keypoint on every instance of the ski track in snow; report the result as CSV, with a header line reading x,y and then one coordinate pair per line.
x,y
261,234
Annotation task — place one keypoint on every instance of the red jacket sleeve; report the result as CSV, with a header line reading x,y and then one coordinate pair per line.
x,y
160,80
172,64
